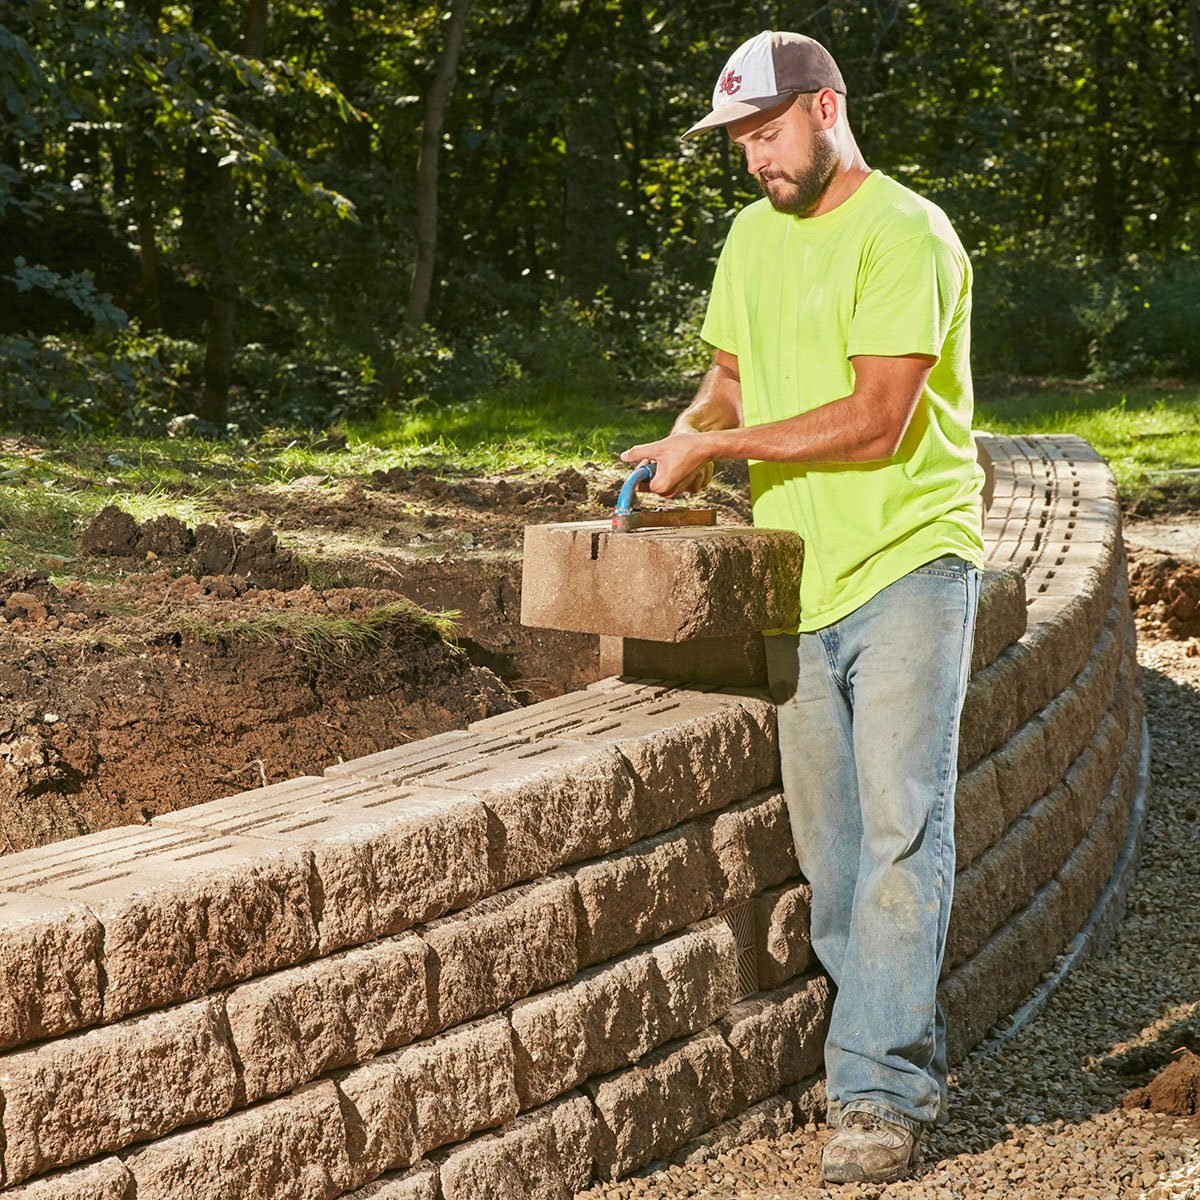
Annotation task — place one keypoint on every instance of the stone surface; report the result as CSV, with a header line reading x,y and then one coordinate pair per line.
x,y
423,1182
660,585
698,974
750,848
182,912
70,1099
386,857
402,1105
657,885
542,1155
520,941
49,968
107,1179
297,1024
776,1038
663,1101
689,751
1000,620
781,919
288,1149
608,1017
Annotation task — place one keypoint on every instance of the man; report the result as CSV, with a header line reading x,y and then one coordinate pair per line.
x,y
840,315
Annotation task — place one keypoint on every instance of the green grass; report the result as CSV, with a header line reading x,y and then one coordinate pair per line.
x,y
1150,434
51,486
325,637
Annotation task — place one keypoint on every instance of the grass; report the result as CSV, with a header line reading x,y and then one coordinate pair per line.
x,y
51,486
322,636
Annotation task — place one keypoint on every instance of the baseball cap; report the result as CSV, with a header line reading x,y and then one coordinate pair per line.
x,y
764,71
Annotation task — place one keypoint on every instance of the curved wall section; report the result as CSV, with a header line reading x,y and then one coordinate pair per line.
x,y
557,946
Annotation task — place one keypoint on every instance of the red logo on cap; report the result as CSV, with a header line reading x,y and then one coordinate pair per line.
x,y
730,83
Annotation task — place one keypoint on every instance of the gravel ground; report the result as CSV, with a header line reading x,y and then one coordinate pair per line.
x,y
1040,1114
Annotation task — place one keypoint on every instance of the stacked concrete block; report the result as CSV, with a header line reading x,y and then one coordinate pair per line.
x,y
565,943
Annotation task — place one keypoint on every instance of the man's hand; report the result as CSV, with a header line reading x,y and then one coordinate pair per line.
x,y
683,459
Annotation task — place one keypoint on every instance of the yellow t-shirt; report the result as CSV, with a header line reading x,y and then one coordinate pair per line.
x,y
795,298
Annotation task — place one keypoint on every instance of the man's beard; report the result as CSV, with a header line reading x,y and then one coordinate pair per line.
x,y
808,187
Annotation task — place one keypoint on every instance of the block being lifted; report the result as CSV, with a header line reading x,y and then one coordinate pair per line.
x,y
660,585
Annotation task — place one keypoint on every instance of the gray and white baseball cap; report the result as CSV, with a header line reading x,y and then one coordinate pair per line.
x,y
763,72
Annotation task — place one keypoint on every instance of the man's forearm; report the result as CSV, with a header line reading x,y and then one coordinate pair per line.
x,y
840,431
717,404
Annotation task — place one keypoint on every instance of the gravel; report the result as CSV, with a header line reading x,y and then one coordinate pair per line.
x,y
1039,1114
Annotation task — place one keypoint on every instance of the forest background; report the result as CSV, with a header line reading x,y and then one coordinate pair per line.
x,y
229,209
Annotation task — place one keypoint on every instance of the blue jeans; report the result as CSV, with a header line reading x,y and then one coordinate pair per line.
x,y
868,735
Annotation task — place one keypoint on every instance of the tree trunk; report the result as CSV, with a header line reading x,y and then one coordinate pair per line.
x,y
222,274
427,167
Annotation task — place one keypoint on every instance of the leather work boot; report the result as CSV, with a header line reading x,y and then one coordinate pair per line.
x,y
868,1149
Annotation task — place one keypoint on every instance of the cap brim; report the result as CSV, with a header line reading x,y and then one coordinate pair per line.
x,y
734,111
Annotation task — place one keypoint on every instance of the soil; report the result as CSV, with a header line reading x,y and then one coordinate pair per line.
x,y
1175,1090
147,681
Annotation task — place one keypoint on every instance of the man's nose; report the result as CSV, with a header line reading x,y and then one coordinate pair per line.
x,y
755,162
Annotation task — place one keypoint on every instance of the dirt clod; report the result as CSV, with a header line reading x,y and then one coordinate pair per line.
x,y
1165,591
1175,1090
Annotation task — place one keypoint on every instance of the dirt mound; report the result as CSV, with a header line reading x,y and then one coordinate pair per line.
x,y
1165,593
221,549
569,486
1175,1090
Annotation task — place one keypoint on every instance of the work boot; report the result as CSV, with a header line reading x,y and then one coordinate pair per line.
x,y
868,1149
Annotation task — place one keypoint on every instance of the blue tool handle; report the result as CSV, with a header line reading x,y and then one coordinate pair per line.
x,y
643,474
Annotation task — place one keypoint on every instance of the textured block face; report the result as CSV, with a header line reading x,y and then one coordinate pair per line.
x,y
670,1096
542,1155
299,1023
421,1183
781,920
548,802
182,912
661,585
49,968
689,751
658,885
751,847
402,1105
606,1018
107,1179
386,857
699,976
1000,620
288,1149
778,1038
504,947
70,1099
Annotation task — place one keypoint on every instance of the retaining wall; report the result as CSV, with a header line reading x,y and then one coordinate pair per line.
x,y
555,947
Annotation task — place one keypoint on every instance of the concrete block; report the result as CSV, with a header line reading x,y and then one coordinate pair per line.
x,y
657,885
49,968
401,1105
1000,620
777,1038
698,975
423,1182
1023,771
542,1155
289,1149
661,585
781,919
183,913
750,848
106,1179
670,1096
606,1018
386,857
296,1024
75,1097
978,820
688,751
507,946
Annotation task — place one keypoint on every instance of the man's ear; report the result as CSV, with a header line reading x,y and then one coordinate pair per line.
x,y
827,107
